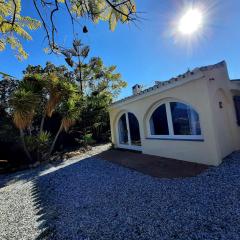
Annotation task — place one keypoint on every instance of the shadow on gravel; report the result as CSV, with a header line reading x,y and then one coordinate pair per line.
x,y
150,165
26,175
94,199
30,174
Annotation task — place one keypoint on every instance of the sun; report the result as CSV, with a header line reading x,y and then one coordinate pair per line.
x,y
191,21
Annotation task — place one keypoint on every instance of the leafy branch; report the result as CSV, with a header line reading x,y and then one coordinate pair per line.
x,y
14,26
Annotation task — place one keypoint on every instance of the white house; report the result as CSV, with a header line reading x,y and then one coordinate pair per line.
x,y
194,117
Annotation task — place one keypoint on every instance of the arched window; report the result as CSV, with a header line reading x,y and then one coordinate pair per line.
x,y
175,120
123,137
129,132
158,121
134,130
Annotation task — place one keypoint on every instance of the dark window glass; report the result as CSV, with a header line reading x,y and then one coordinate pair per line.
x,y
237,108
123,132
134,130
158,121
185,119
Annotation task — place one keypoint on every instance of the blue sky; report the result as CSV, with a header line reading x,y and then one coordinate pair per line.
x,y
150,51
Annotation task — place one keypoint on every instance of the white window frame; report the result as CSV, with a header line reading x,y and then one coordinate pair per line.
x,y
170,124
129,144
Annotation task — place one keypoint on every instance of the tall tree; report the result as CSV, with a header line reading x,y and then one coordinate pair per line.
x,y
103,84
43,93
91,73
14,26
99,85
62,71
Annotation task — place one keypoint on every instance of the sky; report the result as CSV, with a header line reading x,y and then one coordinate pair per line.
x,y
151,49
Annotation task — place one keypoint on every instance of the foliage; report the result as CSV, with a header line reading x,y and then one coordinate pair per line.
x,y
99,85
91,74
95,116
7,86
24,102
87,139
14,26
100,79
8,132
61,71
54,94
5,75
48,102
38,142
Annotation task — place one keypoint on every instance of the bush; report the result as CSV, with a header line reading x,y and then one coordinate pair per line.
x,y
88,139
14,154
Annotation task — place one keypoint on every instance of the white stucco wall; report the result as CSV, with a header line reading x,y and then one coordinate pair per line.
x,y
225,123
219,129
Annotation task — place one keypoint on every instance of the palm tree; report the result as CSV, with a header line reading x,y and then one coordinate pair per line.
x,y
52,85
6,75
69,110
24,103
43,95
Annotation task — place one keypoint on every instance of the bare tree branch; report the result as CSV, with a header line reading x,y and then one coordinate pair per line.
x,y
52,6
43,23
71,16
14,12
52,22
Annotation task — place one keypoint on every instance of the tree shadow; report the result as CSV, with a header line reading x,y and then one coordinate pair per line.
x,y
95,199
27,174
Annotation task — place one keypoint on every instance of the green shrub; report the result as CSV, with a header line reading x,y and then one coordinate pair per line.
x,y
88,139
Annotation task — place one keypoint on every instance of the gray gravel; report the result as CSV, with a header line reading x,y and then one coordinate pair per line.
x,y
94,199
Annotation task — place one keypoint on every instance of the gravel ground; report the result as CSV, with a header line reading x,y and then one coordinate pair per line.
x,y
94,199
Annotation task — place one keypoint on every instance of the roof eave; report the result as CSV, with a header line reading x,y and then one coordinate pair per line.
x,y
159,89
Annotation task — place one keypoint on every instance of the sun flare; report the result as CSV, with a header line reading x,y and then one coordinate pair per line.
x,y
191,22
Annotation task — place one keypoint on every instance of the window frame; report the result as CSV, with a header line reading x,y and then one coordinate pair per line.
x,y
171,135
129,144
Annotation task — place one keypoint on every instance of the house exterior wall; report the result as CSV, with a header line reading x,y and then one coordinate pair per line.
x,y
219,129
225,123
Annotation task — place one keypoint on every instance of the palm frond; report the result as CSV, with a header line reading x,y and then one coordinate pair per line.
x,y
24,104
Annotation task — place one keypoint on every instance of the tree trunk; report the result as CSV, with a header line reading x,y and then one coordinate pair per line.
x,y
80,74
55,140
42,124
24,145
